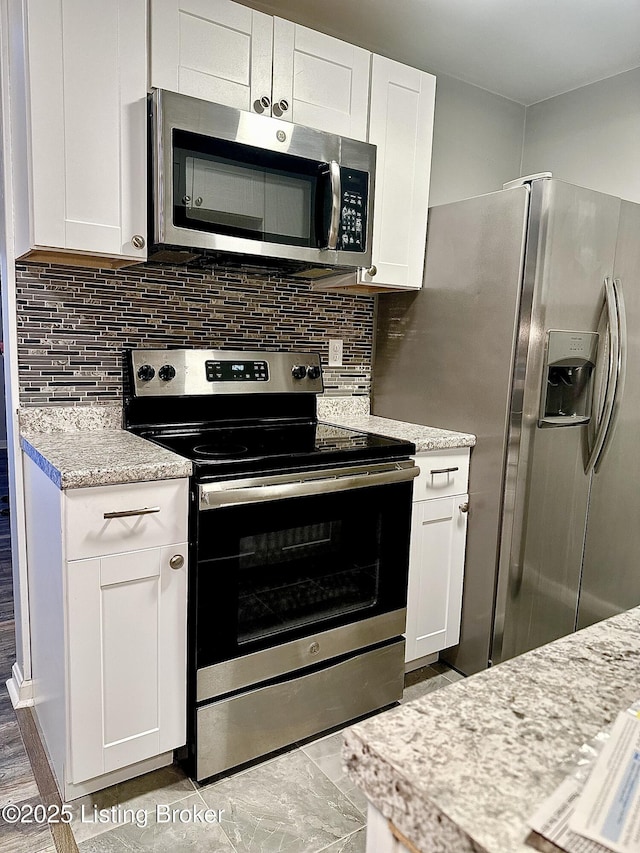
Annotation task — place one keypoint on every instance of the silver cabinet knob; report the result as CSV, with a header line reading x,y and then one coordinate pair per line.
x,y
280,107
372,270
138,241
262,104
177,561
464,507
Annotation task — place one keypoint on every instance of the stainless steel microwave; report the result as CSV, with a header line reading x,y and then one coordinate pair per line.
x,y
232,185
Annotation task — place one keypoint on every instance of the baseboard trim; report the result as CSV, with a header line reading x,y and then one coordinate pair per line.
x,y
20,689
62,833
123,774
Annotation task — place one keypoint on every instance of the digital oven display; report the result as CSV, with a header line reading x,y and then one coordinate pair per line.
x,y
237,371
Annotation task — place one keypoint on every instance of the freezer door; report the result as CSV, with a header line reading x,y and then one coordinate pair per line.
x,y
611,574
571,248
444,358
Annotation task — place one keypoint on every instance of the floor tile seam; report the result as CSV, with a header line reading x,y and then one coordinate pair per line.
x,y
343,838
148,810
248,769
226,835
340,791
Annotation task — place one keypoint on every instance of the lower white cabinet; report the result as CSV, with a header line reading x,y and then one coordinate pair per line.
x,y
126,658
109,628
436,561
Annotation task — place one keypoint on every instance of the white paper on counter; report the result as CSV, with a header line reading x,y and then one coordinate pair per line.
x,y
608,808
552,819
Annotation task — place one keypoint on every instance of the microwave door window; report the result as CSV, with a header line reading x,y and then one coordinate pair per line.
x,y
223,194
288,207
243,192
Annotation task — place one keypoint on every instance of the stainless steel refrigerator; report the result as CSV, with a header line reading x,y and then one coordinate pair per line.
x,y
527,333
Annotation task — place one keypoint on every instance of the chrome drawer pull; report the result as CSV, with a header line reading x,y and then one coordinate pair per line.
x,y
127,513
444,470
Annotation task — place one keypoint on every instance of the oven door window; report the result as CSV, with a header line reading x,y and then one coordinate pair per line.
x,y
240,191
271,572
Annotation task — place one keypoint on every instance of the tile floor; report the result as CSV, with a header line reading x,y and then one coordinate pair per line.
x,y
299,801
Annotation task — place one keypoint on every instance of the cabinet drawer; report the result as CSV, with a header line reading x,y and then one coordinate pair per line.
x,y
442,473
96,522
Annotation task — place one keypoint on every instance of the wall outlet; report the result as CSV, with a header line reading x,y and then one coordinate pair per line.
x,y
335,353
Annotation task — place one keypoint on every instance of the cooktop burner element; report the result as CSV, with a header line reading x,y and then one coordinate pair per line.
x,y
219,451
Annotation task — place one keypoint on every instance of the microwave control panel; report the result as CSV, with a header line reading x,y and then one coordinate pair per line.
x,y
353,213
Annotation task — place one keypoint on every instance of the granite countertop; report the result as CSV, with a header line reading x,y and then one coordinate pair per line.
x,y
462,770
98,457
84,445
424,437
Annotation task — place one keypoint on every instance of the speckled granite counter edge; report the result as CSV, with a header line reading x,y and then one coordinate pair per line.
x,y
425,438
169,468
522,721
62,419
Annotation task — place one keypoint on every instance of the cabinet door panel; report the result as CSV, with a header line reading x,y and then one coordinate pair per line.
x,y
129,616
438,535
401,125
324,80
88,124
212,49
127,659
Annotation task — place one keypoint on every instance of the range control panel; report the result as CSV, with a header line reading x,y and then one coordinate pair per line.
x,y
184,372
237,371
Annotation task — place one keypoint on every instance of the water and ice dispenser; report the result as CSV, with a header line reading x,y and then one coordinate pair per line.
x,y
567,380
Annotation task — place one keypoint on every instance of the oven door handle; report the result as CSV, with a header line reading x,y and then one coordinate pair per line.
x,y
216,495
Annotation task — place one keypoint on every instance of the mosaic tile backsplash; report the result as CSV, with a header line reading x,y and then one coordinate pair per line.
x,y
73,325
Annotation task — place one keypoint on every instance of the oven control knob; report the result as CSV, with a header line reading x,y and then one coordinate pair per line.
x,y
298,371
313,371
167,372
146,372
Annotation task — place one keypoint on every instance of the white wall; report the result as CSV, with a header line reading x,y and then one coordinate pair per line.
x,y
590,136
477,141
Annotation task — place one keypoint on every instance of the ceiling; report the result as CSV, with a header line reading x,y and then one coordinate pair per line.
x,y
525,50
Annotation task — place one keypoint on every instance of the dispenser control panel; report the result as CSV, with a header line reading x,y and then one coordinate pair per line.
x,y
567,379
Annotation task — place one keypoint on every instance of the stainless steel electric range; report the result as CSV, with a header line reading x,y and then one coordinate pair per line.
x,y
299,549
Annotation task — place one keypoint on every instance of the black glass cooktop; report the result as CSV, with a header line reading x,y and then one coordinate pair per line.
x,y
220,451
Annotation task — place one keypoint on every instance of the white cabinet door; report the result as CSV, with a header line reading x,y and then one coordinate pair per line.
x,y
436,567
401,126
127,659
86,72
323,81
216,50
224,52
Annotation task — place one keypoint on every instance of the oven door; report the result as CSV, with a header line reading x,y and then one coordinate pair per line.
x,y
285,557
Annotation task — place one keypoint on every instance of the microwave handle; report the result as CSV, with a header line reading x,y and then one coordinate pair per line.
x,y
336,193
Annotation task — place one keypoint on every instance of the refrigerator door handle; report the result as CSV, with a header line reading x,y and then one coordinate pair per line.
x,y
620,369
611,292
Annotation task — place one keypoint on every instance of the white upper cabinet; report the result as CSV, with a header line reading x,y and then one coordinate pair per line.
x,y
85,104
401,126
320,81
224,52
212,49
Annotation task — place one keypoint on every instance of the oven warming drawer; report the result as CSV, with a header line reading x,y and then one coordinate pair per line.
x,y
235,674
251,724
